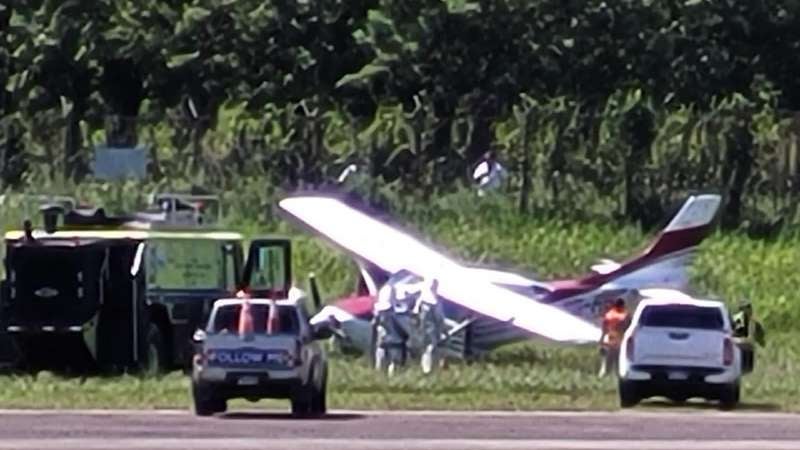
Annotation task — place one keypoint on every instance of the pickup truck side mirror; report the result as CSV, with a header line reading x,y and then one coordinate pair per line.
x,y
199,336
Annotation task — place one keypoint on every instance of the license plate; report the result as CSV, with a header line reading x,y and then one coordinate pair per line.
x,y
248,381
678,375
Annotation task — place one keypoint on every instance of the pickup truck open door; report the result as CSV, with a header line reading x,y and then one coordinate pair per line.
x,y
268,268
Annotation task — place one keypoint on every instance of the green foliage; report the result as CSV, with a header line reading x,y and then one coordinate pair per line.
x,y
622,105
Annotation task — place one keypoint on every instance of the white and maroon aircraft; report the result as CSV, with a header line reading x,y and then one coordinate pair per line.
x,y
486,308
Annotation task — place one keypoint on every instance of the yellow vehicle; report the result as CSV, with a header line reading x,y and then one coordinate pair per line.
x,y
122,293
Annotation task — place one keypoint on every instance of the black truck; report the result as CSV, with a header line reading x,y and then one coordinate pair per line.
x,y
98,292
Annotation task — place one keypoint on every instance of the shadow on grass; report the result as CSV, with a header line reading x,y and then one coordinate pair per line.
x,y
542,354
708,405
261,415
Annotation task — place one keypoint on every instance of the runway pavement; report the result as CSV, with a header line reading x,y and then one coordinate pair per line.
x,y
126,430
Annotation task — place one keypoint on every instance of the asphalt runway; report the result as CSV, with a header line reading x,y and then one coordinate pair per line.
x,y
683,429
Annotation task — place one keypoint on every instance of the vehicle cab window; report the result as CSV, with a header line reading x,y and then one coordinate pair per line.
x,y
682,316
226,319
186,264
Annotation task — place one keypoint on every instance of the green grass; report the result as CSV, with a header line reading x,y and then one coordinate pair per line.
x,y
523,377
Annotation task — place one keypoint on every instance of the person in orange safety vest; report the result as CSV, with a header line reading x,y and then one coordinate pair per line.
x,y
615,321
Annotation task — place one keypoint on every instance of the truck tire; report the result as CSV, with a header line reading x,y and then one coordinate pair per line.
x,y
220,405
203,402
302,400
680,399
156,361
729,398
748,357
303,397
319,403
628,397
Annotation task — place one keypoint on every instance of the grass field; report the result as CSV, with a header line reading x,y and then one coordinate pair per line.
x,y
527,376
729,266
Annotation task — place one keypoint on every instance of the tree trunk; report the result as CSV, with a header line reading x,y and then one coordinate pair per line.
x,y
525,166
13,157
73,167
122,88
740,159
155,164
639,135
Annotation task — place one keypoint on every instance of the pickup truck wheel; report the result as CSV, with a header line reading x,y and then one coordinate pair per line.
x,y
748,357
319,404
220,405
729,398
679,399
628,397
302,401
203,403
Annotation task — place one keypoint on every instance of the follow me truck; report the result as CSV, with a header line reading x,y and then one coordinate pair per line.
x,y
91,291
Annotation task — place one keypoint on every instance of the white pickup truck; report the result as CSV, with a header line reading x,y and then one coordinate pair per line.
x,y
679,347
260,360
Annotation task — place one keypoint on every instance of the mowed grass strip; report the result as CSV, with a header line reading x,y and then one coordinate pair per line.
x,y
523,377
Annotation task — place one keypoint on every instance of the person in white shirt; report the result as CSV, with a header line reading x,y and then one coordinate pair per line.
x,y
430,312
488,174
381,312
393,323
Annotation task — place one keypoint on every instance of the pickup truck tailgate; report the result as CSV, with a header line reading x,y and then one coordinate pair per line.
x,y
260,351
678,347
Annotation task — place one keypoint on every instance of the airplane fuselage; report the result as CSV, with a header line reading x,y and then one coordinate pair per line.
x,y
485,334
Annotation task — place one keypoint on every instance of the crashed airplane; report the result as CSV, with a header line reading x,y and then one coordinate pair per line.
x,y
487,308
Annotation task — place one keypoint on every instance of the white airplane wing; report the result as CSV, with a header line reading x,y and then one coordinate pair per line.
x,y
392,250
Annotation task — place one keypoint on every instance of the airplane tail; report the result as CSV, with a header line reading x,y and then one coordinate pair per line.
x,y
692,223
664,262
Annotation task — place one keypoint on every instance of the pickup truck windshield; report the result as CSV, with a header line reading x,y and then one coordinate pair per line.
x,y
682,316
227,319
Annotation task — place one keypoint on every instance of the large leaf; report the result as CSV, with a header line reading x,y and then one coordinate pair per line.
x,y
366,72
462,6
195,14
181,59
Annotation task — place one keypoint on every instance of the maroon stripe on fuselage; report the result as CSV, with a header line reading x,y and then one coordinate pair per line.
x,y
666,244
674,241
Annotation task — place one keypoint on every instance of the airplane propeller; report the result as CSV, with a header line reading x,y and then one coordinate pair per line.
x,y
314,289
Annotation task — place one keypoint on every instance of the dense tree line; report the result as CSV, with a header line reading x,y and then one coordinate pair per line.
x,y
579,92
